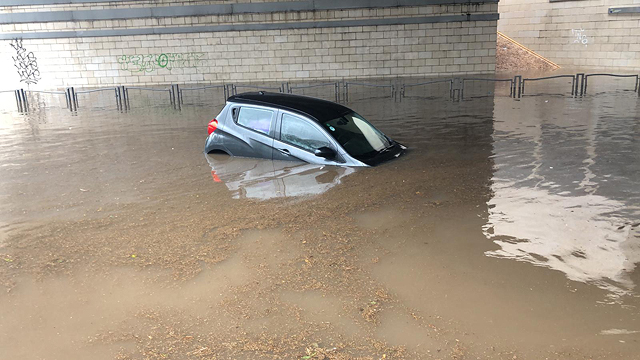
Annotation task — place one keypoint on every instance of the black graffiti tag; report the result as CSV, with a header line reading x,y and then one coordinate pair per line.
x,y
26,63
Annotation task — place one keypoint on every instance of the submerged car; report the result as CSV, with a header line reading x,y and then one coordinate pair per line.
x,y
292,127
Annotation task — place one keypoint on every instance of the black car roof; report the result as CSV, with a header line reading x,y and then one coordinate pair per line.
x,y
318,109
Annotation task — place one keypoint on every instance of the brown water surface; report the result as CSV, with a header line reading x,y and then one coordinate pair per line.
x,y
511,229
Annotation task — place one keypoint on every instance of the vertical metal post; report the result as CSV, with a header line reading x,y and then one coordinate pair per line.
x,y
580,84
336,88
224,92
521,86
18,102
126,92
517,84
637,79
346,91
25,101
73,99
67,94
118,98
573,85
123,97
585,79
179,94
66,97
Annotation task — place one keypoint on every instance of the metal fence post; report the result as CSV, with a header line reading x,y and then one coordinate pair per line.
x,y
580,84
73,99
18,102
126,96
123,97
346,91
517,86
118,98
25,101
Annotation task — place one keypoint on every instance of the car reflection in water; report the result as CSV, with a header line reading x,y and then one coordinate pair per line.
x,y
266,179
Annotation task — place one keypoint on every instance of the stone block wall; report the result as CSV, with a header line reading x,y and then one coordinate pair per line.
x,y
576,34
221,45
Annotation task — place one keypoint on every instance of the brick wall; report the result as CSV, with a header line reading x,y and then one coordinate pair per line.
x,y
576,34
313,53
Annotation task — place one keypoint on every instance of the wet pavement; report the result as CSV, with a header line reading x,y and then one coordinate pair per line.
x,y
510,230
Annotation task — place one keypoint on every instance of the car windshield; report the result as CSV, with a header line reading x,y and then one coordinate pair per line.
x,y
359,138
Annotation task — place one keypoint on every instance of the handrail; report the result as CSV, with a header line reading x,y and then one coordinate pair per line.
x,y
257,87
614,75
311,86
483,79
550,77
404,87
46,92
372,85
204,87
573,81
428,83
145,88
94,90
586,77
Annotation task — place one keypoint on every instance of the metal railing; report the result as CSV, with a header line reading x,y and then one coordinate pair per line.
x,y
336,85
391,87
586,79
403,88
572,77
225,90
510,81
456,89
234,88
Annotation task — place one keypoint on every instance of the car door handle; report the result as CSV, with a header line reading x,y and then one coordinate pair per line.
x,y
285,151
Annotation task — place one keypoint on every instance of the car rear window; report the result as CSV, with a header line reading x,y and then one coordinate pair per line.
x,y
255,119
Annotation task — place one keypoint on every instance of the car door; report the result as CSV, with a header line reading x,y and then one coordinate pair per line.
x,y
298,138
254,128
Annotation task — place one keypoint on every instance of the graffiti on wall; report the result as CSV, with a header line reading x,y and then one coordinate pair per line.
x,y
580,37
25,62
152,62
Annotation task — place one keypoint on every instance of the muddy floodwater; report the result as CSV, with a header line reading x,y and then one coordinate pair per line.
x,y
510,230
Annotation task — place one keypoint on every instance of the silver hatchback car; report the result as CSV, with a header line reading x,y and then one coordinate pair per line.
x,y
292,127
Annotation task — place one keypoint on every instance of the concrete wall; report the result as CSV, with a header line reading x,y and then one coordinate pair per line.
x,y
88,43
575,34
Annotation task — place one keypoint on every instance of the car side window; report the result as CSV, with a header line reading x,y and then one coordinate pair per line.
x,y
256,119
300,133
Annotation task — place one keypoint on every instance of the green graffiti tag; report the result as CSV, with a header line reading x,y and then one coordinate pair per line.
x,y
163,60
151,62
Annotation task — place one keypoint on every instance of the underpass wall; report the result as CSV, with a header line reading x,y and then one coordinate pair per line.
x,y
577,34
89,43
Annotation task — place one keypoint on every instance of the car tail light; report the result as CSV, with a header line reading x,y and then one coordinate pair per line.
x,y
213,125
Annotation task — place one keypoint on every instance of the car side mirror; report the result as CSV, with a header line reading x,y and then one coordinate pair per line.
x,y
325,152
